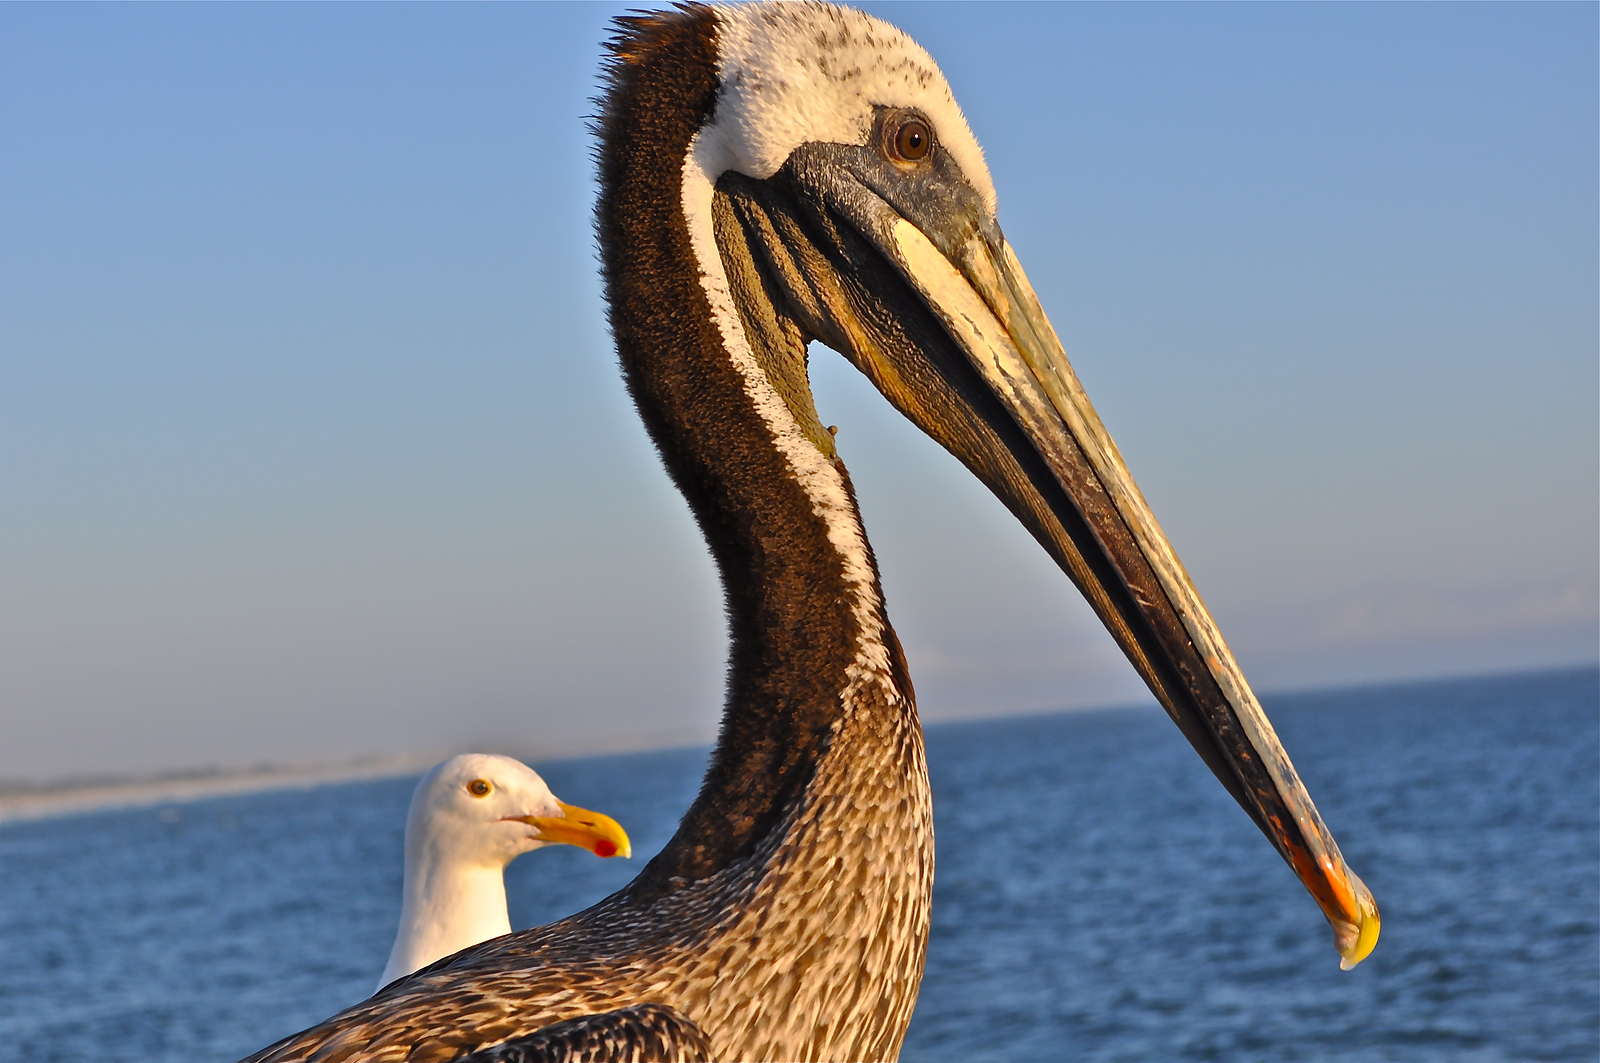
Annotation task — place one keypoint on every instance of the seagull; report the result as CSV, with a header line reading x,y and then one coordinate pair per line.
x,y
769,175
471,816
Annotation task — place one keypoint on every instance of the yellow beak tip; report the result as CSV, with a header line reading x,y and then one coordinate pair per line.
x,y
1356,941
1366,940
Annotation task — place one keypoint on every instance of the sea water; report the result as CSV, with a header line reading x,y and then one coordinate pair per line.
x,y
1098,895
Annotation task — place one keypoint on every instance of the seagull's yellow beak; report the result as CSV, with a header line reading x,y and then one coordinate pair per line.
x,y
594,831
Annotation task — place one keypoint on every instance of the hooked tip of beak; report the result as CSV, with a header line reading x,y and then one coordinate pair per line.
x,y
1345,900
1356,940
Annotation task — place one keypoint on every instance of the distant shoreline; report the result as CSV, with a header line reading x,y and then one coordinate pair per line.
x,y
74,797
67,800
20,802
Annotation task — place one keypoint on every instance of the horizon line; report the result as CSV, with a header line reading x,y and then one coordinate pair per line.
x,y
68,796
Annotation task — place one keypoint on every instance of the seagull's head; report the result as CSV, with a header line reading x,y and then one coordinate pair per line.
x,y
483,809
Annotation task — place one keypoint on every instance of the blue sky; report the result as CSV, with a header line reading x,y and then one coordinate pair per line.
x,y
312,444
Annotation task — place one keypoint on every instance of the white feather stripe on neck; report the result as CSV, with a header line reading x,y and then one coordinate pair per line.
x,y
814,472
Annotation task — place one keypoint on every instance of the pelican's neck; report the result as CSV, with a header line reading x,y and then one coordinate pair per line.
x,y
810,643
449,904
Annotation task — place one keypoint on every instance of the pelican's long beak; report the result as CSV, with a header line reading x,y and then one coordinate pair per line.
x,y
984,300
912,280
594,831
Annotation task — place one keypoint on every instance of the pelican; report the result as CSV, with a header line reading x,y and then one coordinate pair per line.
x,y
770,175
471,816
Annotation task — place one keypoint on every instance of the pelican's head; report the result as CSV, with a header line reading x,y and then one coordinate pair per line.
x,y
479,809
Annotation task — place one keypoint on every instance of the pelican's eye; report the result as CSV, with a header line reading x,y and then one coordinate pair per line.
x,y
912,139
479,787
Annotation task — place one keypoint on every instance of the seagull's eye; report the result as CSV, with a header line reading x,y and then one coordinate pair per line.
x,y
479,787
912,140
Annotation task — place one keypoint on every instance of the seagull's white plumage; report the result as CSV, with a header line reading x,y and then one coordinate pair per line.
x,y
469,818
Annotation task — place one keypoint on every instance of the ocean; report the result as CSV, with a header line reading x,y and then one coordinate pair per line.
x,y
1098,895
